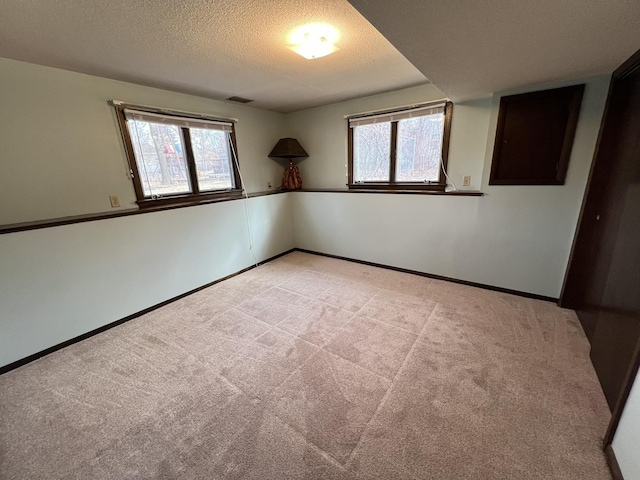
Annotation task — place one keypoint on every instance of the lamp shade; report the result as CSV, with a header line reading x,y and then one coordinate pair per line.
x,y
288,148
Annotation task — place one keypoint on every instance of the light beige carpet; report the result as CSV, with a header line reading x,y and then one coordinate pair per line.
x,y
315,368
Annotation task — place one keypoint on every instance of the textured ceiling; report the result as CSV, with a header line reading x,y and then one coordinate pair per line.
x,y
218,49
215,49
471,48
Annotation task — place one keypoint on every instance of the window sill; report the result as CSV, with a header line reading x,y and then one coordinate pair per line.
x,y
430,187
186,200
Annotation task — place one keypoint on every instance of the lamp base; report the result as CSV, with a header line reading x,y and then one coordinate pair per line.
x,y
291,177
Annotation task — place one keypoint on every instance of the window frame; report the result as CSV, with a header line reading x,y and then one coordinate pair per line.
x,y
392,184
195,196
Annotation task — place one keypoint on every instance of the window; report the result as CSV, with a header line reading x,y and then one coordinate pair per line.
x,y
176,158
400,150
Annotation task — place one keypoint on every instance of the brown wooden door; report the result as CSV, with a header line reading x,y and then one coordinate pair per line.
x,y
603,279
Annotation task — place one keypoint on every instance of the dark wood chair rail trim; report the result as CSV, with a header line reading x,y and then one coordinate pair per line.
x,y
192,202
189,202
457,193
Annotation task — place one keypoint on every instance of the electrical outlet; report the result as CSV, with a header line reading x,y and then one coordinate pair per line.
x,y
115,201
466,181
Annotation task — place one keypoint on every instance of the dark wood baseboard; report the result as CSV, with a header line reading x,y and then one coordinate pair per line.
x,y
79,338
35,356
616,473
437,277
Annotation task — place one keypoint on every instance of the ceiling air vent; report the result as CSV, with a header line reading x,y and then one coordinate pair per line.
x,y
239,99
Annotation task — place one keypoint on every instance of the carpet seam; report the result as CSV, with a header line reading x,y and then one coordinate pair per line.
x,y
321,348
388,392
363,366
306,440
274,327
380,290
294,427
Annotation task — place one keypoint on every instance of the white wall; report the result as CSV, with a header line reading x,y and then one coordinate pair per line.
x,y
516,237
626,442
58,283
61,153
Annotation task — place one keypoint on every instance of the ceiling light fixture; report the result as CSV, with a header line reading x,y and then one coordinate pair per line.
x,y
314,41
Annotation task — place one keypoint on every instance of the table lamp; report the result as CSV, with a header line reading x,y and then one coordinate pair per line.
x,y
289,148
